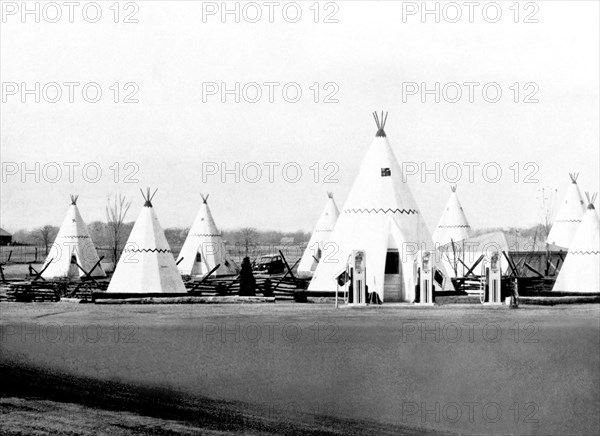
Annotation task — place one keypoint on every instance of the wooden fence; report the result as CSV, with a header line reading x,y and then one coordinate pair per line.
x,y
37,254
278,286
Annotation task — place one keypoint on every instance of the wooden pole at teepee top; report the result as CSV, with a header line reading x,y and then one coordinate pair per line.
x,y
147,197
574,177
153,194
376,120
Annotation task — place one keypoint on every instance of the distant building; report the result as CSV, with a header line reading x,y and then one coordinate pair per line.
x,y
5,237
287,240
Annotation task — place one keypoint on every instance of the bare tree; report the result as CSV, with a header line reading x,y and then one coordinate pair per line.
x,y
115,217
546,198
46,234
249,235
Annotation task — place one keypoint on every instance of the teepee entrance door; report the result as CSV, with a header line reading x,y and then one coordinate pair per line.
x,y
197,266
392,286
73,269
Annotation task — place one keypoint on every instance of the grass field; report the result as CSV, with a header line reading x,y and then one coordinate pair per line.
x,y
291,368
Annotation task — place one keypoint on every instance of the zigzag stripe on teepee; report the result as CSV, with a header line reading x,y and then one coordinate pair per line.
x,y
147,250
404,211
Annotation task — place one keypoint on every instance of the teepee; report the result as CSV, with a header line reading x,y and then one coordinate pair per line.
x,y
381,217
568,217
204,248
453,225
147,264
73,253
581,270
316,244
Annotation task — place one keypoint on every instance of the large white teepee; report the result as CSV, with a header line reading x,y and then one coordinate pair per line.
x,y
453,225
73,246
204,248
581,270
147,264
568,217
319,238
381,217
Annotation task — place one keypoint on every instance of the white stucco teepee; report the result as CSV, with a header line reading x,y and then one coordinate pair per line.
x,y
320,236
568,217
581,270
381,217
147,264
204,247
453,225
73,246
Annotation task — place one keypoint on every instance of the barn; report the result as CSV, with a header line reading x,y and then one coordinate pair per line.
x,y
5,237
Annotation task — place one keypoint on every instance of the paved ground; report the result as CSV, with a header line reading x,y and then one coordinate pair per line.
x,y
306,368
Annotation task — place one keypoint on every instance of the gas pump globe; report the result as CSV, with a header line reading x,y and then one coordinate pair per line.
x,y
359,261
426,263
358,276
494,262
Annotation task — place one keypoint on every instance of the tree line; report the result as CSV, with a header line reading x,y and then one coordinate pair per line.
x,y
103,235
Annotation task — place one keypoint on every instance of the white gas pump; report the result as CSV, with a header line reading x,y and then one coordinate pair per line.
x,y
357,285
491,273
424,273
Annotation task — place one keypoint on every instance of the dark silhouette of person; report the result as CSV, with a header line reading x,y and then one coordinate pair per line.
x,y
247,280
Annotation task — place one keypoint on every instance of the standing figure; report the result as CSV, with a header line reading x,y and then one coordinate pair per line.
x,y
247,280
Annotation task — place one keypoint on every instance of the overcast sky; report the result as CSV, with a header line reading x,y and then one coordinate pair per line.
x,y
366,61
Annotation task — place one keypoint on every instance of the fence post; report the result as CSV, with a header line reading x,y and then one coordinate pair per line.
x,y
35,260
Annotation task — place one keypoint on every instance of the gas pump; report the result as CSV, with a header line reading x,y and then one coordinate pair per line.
x,y
424,274
491,279
357,292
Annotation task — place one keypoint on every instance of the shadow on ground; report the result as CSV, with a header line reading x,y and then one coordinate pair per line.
x,y
35,400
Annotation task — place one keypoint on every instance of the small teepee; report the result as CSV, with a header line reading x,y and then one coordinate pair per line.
x,y
73,246
581,270
316,245
204,248
453,225
568,217
147,264
382,218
